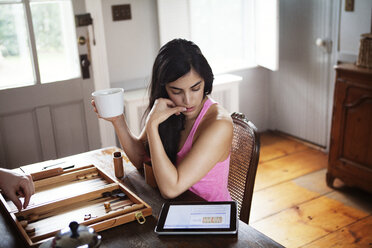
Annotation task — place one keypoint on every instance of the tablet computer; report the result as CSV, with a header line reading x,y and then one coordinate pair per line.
x,y
198,218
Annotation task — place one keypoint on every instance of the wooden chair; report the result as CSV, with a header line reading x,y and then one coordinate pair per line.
x,y
245,152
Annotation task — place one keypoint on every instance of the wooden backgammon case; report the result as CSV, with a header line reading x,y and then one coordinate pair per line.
x,y
86,195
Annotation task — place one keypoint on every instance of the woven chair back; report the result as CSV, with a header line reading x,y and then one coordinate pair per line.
x,y
245,152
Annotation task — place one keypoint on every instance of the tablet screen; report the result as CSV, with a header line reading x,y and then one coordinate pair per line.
x,y
198,218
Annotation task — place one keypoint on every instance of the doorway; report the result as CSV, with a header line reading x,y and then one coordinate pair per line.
x,y
45,114
300,88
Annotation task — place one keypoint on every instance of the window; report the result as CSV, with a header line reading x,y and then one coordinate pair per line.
x,y
43,52
232,34
221,32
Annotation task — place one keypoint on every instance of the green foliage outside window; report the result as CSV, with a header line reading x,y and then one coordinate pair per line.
x,y
8,35
46,20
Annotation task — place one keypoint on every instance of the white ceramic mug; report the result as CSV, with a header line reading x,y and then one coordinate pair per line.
x,y
109,102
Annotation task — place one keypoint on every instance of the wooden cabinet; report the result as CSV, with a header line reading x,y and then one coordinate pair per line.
x,y
350,155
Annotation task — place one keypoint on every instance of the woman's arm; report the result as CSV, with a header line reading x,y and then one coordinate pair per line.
x,y
212,146
133,146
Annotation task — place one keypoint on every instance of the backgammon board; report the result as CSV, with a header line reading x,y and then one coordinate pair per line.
x,y
86,194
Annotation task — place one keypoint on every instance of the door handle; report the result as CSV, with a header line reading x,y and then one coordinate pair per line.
x,y
84,65
325,44
82,41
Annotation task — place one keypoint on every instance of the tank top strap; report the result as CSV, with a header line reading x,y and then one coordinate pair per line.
x,y
187,145
209,102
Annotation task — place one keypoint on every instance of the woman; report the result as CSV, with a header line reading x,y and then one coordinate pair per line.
x,y
186,135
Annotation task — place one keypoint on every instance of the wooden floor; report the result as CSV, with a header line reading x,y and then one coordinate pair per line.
x,y
293,205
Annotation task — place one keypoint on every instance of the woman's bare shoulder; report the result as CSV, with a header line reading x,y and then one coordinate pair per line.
x,y
216,129
216,116
217,113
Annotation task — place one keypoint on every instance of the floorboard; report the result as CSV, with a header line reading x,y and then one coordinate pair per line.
x,y
272,200
293,205
289,167
308,221
355,235
274,146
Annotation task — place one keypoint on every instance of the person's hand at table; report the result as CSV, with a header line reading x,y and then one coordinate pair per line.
x,y
15,185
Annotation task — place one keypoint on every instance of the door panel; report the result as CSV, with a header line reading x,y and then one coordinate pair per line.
x,y
48,121
70,128
46,132
20,135
299,89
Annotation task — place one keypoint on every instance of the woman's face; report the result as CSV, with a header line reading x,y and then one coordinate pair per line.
x,y
188,92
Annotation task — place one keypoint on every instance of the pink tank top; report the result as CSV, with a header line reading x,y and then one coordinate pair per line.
x,y
213,186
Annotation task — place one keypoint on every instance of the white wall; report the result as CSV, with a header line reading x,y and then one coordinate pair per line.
x,y
131,45
254,96
352,25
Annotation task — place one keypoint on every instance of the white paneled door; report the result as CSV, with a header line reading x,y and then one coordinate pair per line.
x,y
300,88
45,110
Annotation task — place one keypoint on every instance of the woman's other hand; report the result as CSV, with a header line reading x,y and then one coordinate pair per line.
x,y
111,119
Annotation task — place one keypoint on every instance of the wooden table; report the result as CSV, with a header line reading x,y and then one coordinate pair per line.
x,y
133,234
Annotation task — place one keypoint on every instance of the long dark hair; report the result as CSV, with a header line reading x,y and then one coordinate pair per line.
x,y
174,60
